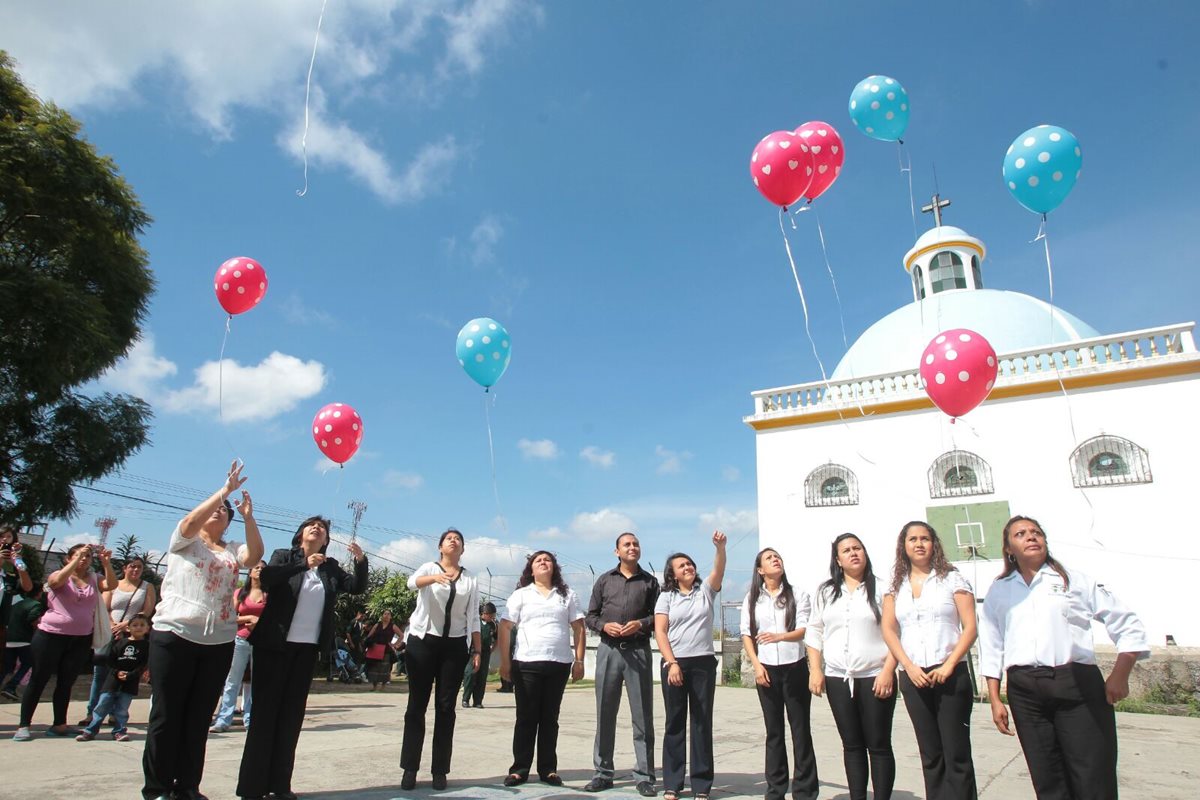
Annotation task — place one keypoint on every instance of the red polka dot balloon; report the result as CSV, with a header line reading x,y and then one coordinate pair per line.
x,y
828,152
338,431
240,284
958,370
781,166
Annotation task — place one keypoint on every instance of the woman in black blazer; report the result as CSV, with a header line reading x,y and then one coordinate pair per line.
x,y
296,627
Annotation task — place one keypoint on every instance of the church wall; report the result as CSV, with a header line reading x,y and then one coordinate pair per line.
x,y
1141,540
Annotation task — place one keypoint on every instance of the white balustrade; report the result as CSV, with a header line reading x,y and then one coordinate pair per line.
x,y
1099,354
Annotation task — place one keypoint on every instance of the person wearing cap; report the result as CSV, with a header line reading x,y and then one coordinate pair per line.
x,y
294,631
475,680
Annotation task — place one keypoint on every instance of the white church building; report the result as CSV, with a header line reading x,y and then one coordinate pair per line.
x,y
1092,434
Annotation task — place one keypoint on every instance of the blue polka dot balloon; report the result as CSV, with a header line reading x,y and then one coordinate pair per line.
x,y
879,108
484,350
1041,167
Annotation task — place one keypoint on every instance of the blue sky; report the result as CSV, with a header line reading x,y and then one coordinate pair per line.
x,y
578,172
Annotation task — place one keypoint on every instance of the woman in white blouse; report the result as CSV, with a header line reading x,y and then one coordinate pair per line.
x,y
929,625
1036,629
549,649
845,645
191,645
774,619
683,627
445,619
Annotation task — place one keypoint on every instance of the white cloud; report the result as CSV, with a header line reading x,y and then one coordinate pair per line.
x,y
539,449
140,371
599,525
297,312
605,459
553,532
733,524
670,461
275,385
323,465
731,474
396,479
484,238
220,58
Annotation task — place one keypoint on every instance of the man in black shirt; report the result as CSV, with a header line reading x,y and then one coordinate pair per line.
x,y
622,612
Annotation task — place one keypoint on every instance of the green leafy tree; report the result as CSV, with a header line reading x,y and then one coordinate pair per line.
x,y
74,289
395,596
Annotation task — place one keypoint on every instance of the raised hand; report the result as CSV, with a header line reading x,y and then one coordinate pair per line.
x,y
315,560
234,480
719,539
356,552
245,506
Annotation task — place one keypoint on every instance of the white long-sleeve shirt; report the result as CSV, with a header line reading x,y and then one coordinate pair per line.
x,y
771,618
929,624
1048,624
435,602
847,634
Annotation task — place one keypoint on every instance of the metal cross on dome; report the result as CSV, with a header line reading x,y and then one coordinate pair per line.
x,y
936,209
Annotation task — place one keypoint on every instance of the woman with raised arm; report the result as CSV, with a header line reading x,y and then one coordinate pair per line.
x,y
929,625
1036,629
683,627
294,632
248,604
550,648
773,622
62,643
445,620
846,647
191,644
14,577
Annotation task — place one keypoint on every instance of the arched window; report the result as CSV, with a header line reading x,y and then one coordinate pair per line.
x,y
1110,461
976,272
946,272
959,473
918,277
831,485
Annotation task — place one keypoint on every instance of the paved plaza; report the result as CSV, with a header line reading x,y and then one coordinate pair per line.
x,y
350,748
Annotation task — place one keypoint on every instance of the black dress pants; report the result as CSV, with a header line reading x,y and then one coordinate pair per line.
x,y
186,679
694,698
432,660
539,687
864,722
941,718
60,656
475,681
1067,729
279,682
789,693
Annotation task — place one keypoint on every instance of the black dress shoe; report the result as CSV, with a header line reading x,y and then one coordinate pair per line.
x,y
439,782
552,779
646,789
408,781
598,785
477,705
466,704
514,780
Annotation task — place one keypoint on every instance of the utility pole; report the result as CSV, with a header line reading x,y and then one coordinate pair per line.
x,y
105,524
357,507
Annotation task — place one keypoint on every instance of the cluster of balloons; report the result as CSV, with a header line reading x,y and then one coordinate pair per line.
x,y
958,370
789,165
1041,167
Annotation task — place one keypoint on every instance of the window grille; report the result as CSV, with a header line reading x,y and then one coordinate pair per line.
x,y
976,272
1110,461
959,473
831,485
946,272
918,282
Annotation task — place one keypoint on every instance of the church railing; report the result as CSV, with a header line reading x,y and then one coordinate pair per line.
x,y
1097,354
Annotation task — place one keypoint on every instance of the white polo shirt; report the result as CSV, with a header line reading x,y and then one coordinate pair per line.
x,y
770,617
1048,624
543,624
929,624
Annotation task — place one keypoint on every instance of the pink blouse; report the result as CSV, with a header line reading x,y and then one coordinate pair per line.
x,y
71,610
248,608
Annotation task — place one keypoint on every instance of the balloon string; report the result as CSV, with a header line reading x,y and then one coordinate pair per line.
x,y
912,203
221,385
832,280
1043,236
808,332
307,92
487,414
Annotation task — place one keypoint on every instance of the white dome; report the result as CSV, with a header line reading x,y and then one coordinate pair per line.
x,y
946,236
1010,321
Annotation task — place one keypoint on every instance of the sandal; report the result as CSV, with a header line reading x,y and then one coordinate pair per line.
x,y
700,796
670,794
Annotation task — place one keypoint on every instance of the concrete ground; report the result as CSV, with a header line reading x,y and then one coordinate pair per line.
x,y
350,748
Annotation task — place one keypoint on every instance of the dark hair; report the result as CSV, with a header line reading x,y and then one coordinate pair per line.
x,y
140,616
837,575
73,549
229,509
786,599
300,530
670,582
244,590
133,558
449,531
1010,561
487,608
556,579
622,536
10,529
903,565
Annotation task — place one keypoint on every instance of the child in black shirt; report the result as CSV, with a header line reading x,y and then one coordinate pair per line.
x,y
126,660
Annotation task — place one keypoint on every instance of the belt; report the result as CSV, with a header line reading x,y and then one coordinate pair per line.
x,y
626,644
